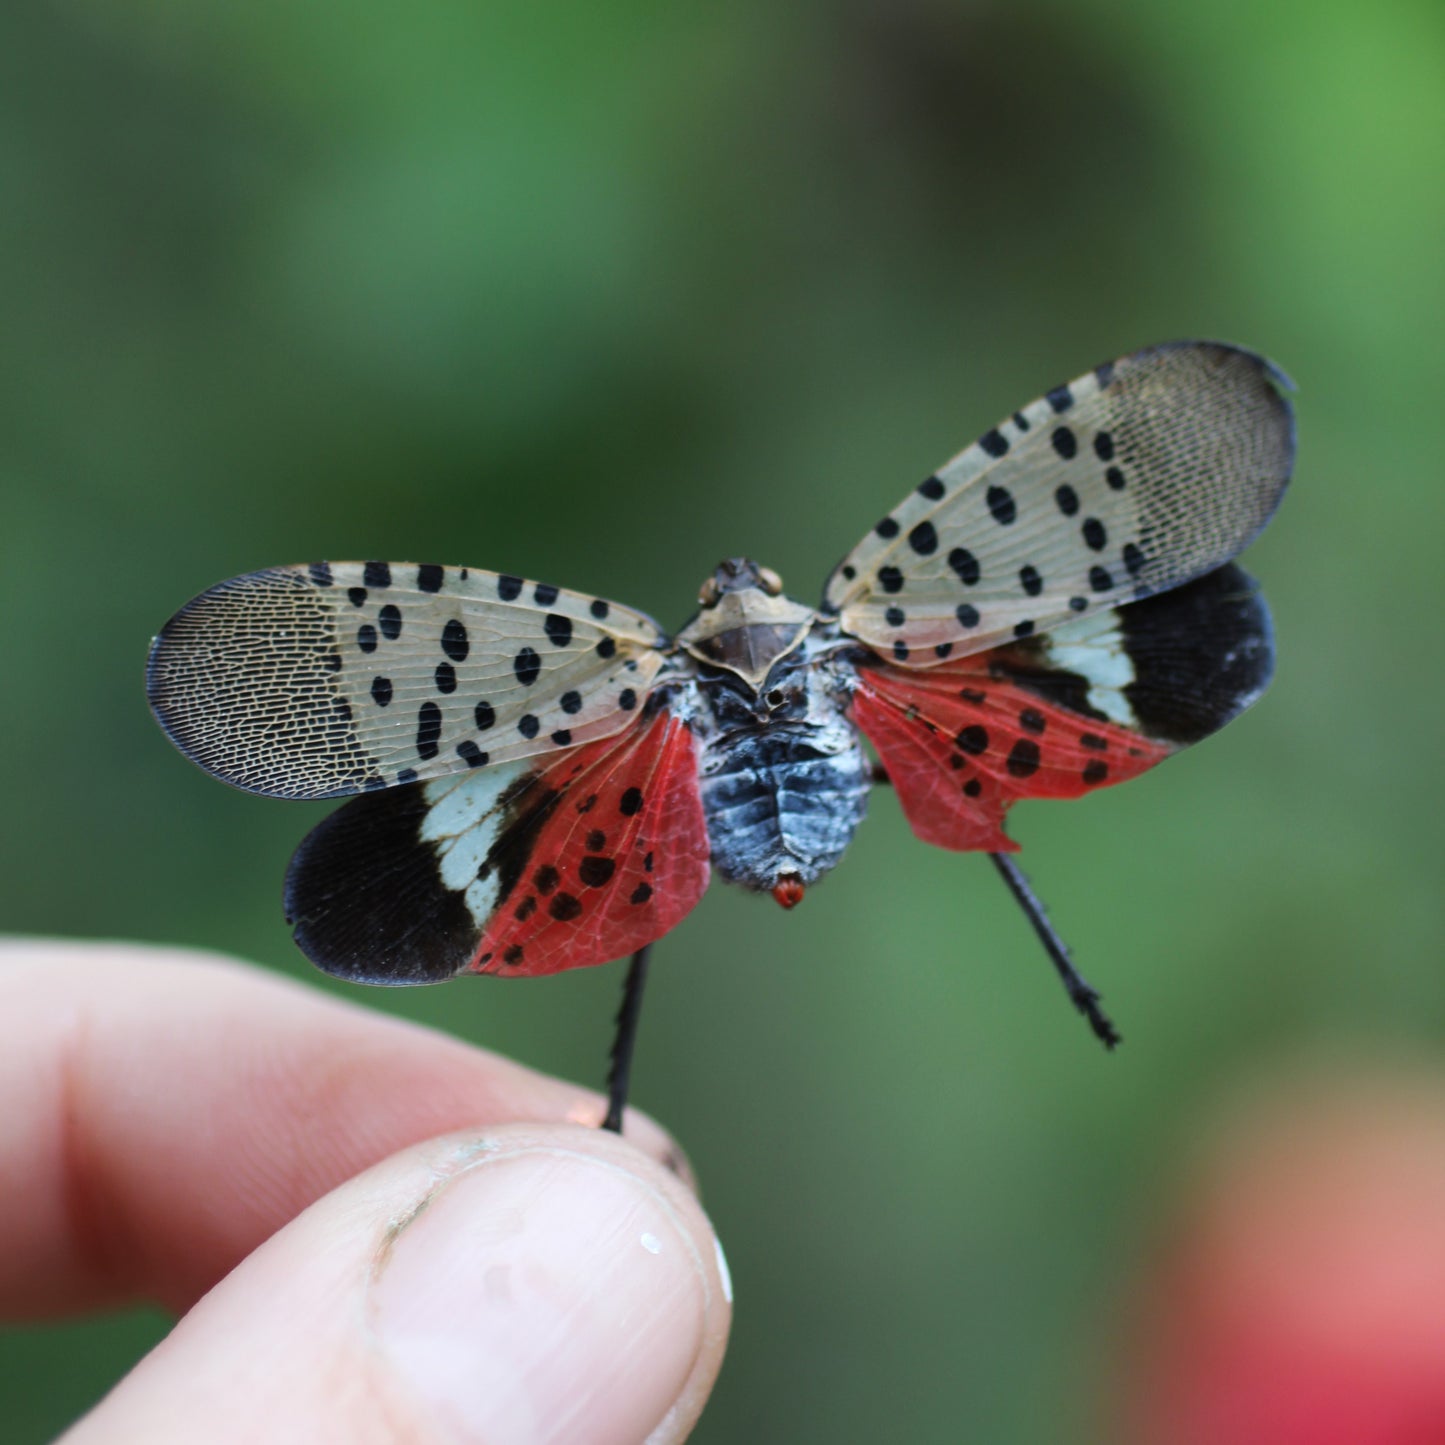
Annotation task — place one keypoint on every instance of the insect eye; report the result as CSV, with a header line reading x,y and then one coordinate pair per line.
x,y
710,593
772,583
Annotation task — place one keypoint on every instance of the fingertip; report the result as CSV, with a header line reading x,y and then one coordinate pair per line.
x,y
529,1282
606,1305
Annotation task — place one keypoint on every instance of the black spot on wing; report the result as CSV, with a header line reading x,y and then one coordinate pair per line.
x,y
965,566
564,908
455,642
1001,505
428,729
972,740
923,539
595,870
1023,758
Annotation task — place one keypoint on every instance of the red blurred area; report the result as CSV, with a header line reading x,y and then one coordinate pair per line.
x,y
1298,1297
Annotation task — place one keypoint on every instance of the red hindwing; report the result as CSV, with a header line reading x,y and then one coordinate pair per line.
x,y
962,745
616,855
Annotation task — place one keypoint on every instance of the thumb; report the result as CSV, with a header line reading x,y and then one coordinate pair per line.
x,y
529,1283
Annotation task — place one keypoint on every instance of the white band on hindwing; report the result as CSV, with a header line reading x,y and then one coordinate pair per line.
x,y
1094,649
464,822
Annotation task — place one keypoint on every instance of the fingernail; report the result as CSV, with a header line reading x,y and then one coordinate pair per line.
x,y
543,1295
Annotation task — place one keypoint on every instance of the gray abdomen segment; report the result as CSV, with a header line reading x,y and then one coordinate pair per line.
x,y
783,801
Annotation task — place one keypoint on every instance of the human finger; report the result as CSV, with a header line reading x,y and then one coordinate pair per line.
x,y
168,1111
524,1284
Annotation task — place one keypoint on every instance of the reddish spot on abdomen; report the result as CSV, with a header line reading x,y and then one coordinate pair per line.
x,y
789,891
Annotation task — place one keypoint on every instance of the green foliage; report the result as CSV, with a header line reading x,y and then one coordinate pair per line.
x,y
604,293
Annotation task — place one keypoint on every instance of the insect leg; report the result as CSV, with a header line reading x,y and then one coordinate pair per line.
x,y
619,1075
1081,991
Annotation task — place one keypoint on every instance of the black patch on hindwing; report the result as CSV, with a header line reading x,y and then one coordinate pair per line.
x,y
1201,654
365,898
364,891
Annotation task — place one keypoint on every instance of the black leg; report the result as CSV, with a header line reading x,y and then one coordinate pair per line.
x,y
1084,995
630,1010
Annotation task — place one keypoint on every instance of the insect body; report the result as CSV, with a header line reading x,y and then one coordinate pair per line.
x,y
546,780
784,778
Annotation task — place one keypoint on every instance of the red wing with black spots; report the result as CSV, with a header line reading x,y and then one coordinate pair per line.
x,y
519,870
1093,703
616,857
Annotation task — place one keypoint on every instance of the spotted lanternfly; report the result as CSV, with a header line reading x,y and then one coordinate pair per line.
x,y
547,779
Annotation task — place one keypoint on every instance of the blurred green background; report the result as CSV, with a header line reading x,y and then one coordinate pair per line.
x,y
602,294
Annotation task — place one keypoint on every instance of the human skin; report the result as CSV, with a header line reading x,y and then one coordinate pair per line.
x,y
369,1232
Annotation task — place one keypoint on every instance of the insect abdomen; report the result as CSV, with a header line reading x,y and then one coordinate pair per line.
x,y
782,802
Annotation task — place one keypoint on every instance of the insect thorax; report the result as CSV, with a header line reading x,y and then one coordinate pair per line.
x,y
783,774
